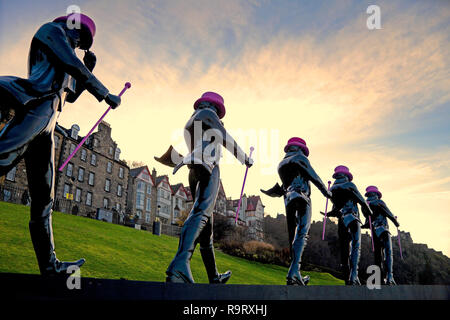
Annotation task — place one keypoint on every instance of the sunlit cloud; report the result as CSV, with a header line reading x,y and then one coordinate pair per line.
x,y
347,90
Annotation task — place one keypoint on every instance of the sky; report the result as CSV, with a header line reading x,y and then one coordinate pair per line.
x,y
377,101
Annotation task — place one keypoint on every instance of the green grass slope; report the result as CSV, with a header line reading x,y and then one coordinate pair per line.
x,y
114,251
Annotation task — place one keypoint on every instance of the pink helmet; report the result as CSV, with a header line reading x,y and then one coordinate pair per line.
x,y
214,98
373,189
87,28
344,170
296,141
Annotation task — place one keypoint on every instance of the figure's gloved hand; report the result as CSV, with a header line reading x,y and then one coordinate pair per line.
x,y
89,60
397,224
113,100
248,161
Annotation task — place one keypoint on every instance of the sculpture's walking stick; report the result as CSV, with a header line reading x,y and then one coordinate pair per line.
x,y
242,190
127,86
326,210
399,242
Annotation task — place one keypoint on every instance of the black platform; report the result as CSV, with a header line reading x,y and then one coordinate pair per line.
x,y
35,287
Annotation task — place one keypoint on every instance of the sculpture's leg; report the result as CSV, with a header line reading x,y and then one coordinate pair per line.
x,y
291,220
355,231
388,253
209,259
294,276
344,242
40,171
378,254
206,187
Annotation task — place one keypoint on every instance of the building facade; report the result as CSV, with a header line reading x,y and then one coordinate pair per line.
x,y
180,198
251,214
164,199
141,199
95,178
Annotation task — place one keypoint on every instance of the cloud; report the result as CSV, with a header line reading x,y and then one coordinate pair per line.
x,y
347,91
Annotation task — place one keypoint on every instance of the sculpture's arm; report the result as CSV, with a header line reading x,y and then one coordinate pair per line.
x,y
54,39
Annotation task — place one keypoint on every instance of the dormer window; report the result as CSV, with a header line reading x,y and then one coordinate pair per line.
x,y
74,131
117,154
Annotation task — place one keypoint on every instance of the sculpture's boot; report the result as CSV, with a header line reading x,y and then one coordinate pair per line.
x,y
209,261
179,270
294,276
345,269
389,260
41,233
354,260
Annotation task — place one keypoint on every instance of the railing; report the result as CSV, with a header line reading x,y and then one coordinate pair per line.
x,y
170,230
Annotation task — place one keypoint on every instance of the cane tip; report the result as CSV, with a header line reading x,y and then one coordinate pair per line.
x,y
127,85
251,148
329,182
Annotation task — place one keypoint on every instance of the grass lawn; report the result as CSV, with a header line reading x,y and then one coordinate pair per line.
x,y
114,251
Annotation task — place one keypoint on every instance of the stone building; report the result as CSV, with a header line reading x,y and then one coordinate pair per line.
x,y
141,199
179,199
164,199
95,178
251,213
221,201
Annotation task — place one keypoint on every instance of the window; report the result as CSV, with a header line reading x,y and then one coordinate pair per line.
x,y
80,174
149,189
107,185
147,217
109,167
140,200
72,148
141,186
118,206
93,159
69,169
89,198
66,190
119,190
91,178
117,154
78,195
95,143
11,175
111,150
6,195
148,207
74,131
105,203
83,154
120,172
